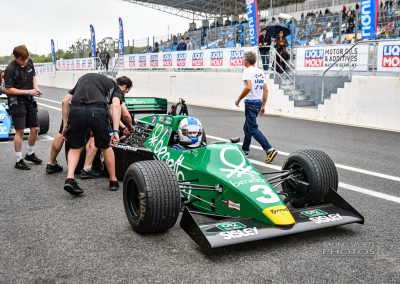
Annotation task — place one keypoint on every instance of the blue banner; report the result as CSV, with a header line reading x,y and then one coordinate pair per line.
x,y
369,18
121,37
53,52
252,17
93,39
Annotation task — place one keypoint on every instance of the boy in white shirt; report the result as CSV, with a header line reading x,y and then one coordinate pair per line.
x,y
255,95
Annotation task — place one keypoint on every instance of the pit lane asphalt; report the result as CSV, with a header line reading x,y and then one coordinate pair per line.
x,y
47,236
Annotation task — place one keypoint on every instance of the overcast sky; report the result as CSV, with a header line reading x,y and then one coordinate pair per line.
x,y
35,22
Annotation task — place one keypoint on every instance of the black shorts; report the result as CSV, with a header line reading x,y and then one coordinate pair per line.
x,y
24,115
61,127
83,119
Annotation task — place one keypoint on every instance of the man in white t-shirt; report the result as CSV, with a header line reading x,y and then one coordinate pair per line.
x,y
255,94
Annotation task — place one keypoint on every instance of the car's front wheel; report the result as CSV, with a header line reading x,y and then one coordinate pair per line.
x,y
314,174
151,197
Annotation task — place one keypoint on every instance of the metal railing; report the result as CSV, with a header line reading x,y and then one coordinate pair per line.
x,y
346,71
288,77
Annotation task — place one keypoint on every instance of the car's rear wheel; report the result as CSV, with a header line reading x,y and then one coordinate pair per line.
x,y
44,120
314,175
151,197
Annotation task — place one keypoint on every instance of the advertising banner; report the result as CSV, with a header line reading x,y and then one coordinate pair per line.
x,y
388,59
121,37
254,24
93,39
53,52
369,18
319,58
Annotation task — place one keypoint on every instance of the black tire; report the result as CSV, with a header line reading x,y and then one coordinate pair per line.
x,y
44,120
151,197
316,168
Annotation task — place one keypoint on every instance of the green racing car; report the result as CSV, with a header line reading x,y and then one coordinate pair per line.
x,y
218,182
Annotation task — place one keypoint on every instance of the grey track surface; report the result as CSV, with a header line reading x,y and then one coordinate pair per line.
x,y
47,236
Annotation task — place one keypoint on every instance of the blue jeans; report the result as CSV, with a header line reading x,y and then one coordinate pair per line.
x,y
250,127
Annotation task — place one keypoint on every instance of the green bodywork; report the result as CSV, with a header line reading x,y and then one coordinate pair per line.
x,y
245,192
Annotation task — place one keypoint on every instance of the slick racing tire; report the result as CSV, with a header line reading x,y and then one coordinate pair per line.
x,y
44,120
151,197
314,168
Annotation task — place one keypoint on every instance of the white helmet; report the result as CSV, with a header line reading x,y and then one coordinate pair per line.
x,y
190,130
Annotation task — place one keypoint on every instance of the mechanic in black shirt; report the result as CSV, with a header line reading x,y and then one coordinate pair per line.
x,y
90,98
22,89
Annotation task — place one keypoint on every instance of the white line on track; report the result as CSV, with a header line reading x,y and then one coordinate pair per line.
x,y
55,108
339,166
50,101
342,185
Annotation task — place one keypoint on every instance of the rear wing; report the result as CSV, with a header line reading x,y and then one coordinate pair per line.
x,y
137,105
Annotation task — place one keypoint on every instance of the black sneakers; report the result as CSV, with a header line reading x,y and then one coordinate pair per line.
x,y
51,169
89,174
114,185
34,159
72,187
21,165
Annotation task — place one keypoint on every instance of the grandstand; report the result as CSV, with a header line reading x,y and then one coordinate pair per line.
x,y
316,22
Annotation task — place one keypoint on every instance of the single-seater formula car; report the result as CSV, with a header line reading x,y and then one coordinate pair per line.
x,y
6,124
219,182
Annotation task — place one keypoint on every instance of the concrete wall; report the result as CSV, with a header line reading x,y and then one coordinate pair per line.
x,y
372,102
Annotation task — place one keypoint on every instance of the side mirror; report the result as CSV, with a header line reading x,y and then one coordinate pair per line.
x,y
235,140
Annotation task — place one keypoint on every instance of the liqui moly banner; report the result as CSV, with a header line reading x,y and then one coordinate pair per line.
x,y
252,17
369,18
53,52
389,56
93,39
121,37
319,58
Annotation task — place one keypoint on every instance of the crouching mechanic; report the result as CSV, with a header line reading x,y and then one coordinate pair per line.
x,y
190,134
90,98
125,84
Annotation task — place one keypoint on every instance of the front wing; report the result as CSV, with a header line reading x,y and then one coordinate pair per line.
x,y
232,231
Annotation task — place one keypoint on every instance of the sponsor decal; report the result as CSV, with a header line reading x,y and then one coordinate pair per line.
x,y
326,219
246,181
198,59
228,226
235,170
153,120
279,215
314,213
136,102
217,58
142,61
132,61
236,58
168,120
161,118
233,205
234,234
391,56
167,60
156,140
126,148
154,60
181,59
314,58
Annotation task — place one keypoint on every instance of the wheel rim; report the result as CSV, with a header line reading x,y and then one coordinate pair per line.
x,y
133,201
300,176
